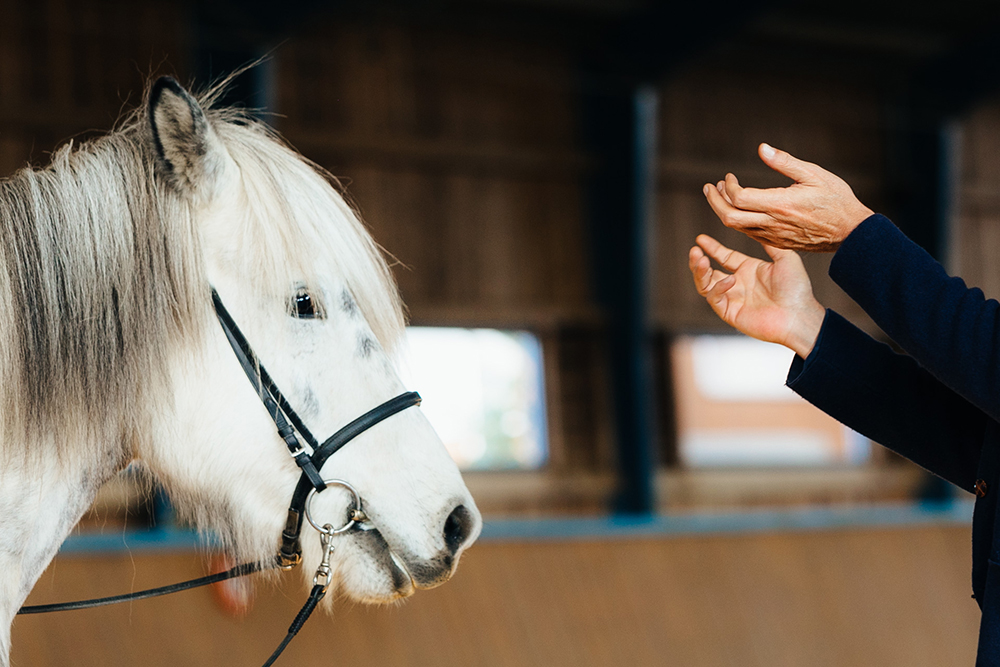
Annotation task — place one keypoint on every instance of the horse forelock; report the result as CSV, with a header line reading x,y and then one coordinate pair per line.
x,y
298,228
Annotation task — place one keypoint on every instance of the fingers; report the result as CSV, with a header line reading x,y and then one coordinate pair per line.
x,y
729,214
798,170
701,270
705,277
716,296
721,187
752,199
711,284
728,258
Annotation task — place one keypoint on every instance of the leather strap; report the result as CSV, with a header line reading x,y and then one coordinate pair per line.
x,y
274,401
237,571
296,511
277,407
317,594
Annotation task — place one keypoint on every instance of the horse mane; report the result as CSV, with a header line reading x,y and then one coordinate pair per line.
x,y
103,276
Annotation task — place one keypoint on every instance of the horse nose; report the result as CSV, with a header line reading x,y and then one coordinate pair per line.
x,y
457,528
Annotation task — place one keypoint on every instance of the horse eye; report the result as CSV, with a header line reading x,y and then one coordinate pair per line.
x,y
303,306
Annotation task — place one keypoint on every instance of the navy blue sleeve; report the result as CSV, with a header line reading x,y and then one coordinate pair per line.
x,y
889,398
952,330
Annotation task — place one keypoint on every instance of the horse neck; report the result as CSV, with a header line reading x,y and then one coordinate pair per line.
x,y
39,506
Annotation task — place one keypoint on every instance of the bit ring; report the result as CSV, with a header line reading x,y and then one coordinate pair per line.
x,y
357,513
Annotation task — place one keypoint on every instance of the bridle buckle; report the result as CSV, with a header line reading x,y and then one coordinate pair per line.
x,y
289,561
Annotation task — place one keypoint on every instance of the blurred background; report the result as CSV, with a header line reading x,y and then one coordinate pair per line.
x,y
653,494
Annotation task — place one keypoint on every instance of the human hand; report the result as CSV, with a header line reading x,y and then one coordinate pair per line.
x,y
770,301
816,213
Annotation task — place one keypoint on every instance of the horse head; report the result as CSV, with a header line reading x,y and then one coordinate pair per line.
x,y
316,301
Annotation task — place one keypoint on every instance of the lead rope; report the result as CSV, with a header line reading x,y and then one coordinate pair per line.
x,y
240,570
321,581
307,609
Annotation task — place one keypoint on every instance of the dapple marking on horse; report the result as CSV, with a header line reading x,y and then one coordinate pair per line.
x,y
110,351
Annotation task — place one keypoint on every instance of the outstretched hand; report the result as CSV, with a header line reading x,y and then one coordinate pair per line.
x,y
771,301
816,213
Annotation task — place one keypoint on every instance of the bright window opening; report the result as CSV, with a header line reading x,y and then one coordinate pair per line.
x,y
483,393
734,409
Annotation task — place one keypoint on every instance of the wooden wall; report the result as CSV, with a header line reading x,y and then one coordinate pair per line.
x,y
460,143
461,154
854,597
459,147
68,69
461,151
712,118
975,228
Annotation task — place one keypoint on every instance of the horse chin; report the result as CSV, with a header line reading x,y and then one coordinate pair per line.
x,y
370,572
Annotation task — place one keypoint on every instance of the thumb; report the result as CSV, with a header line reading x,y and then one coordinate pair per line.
x,y
776,253
785,163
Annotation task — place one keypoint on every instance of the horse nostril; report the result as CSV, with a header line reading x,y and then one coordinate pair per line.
x,y
457,528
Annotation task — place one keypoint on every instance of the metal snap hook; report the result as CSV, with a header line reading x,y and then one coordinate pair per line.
x,y
324,576
357,514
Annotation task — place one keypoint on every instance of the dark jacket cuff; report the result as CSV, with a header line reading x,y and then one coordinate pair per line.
x,y
834,335
852,262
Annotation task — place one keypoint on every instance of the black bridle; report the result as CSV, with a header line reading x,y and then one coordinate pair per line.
x,y
281,413
288,424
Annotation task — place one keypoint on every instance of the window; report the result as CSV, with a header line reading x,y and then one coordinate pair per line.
x,y
734,409
483,393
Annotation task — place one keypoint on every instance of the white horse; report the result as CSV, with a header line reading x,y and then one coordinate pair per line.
x,y
110,352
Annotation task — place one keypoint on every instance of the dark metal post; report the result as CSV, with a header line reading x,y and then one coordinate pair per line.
x,y
622,132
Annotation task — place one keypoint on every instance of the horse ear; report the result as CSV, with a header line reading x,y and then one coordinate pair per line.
x,y
182,136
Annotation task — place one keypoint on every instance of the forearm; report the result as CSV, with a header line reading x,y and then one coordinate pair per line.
x,y
890,399
950,329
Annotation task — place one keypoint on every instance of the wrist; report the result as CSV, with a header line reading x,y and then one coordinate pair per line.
x,y
805,329
855,217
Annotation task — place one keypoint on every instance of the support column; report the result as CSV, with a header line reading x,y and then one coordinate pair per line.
x,y
621,128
